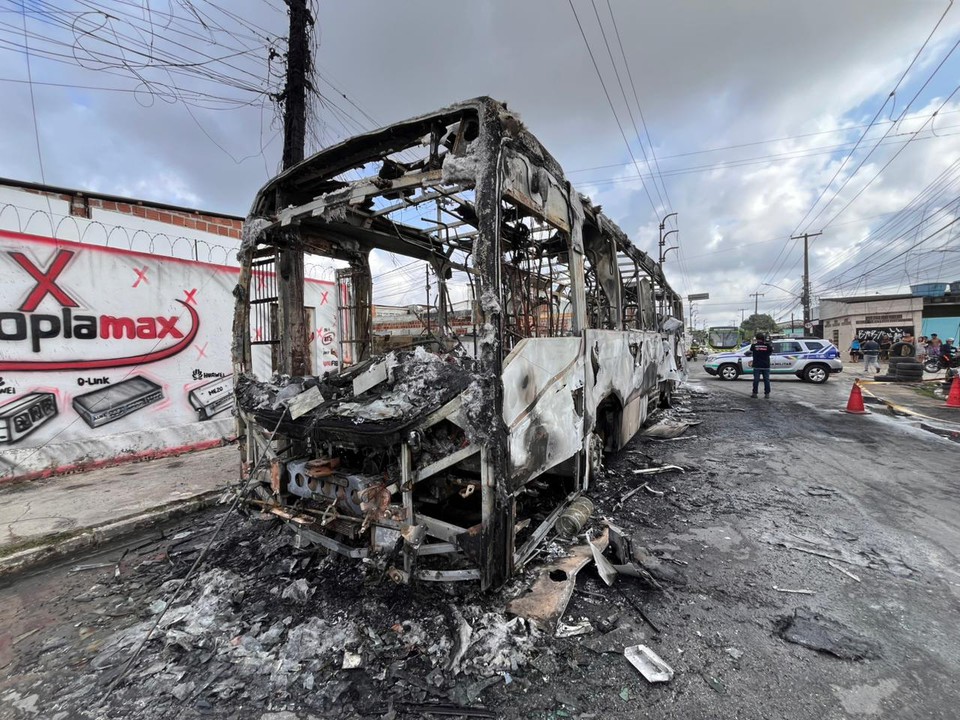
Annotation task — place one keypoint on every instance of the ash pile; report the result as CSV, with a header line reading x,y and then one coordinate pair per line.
x,y
267,627
382,394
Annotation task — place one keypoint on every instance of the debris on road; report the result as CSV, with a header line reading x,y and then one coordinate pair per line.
x,y
826,635
604,567
845,572
794,592
667,429
572,520
550,593
658,470
650,665
582,627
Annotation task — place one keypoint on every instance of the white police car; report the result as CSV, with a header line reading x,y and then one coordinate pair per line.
x,y
810,359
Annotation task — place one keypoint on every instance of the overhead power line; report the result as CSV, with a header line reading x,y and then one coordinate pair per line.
x,y
626,101
616,117
636,99
875,117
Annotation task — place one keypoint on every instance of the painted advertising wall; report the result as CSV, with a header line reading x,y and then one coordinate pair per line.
x,y
108,354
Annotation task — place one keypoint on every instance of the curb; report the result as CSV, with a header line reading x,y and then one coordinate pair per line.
x,y
56,546
943,428
942,432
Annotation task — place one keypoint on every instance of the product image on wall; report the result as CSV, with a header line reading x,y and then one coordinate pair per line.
x,y
113,402
22,416
212,398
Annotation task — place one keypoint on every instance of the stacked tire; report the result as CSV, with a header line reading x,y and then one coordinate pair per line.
x,y
903,363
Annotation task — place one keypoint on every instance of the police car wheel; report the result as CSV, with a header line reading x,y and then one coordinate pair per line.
x,y
728,372
816,374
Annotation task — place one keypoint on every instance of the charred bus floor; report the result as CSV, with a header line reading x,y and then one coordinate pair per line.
x,y
551,339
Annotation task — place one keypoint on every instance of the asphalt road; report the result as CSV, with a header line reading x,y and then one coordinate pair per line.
x,y
788,508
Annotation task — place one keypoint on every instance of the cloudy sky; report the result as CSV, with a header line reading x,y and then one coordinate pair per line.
x,y
753,107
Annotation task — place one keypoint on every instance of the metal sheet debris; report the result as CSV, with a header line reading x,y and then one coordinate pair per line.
x,y
564,630
550,593
604,567
305,402
650,665
370,378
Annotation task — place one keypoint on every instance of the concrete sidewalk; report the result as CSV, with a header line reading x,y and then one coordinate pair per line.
x,y
58,515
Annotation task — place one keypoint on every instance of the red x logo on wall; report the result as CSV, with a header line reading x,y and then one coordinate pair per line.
x,y
46,280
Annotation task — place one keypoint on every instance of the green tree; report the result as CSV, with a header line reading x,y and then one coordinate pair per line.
x,y
758,323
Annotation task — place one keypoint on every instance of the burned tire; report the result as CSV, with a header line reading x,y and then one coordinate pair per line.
x,y
895,361
902,350
729,371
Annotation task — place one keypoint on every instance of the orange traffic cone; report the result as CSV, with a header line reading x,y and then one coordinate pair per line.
x,y
855,403
953,400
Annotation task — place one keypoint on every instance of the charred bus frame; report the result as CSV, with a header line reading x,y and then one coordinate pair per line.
x,y
461,476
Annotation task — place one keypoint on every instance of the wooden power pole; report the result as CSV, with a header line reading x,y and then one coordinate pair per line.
x,y
292,316
805,296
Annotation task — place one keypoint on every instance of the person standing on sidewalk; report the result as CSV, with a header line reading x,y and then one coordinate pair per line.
x,y
871,354
760,352
855,349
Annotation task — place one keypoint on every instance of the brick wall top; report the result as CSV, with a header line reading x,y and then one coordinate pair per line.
x,y
215,224
195,221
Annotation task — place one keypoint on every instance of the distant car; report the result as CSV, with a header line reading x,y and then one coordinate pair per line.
x,y
810,359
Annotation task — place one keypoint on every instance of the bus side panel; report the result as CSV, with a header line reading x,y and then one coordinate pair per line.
x,y
624,365
541,380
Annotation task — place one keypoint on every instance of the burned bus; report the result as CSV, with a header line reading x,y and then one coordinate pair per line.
x,y
452,458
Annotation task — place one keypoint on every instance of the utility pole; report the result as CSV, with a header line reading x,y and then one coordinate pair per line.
x,y
292,316
663,238
426,273
805,296
756,302
661,309
741,311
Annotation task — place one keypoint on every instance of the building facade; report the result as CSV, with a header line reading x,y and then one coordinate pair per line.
x,y
870,316
116,319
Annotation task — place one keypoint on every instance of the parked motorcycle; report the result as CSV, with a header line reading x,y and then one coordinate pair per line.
x,y
941,362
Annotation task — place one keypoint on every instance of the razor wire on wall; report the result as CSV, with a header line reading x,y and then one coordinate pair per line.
x,y
45,223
